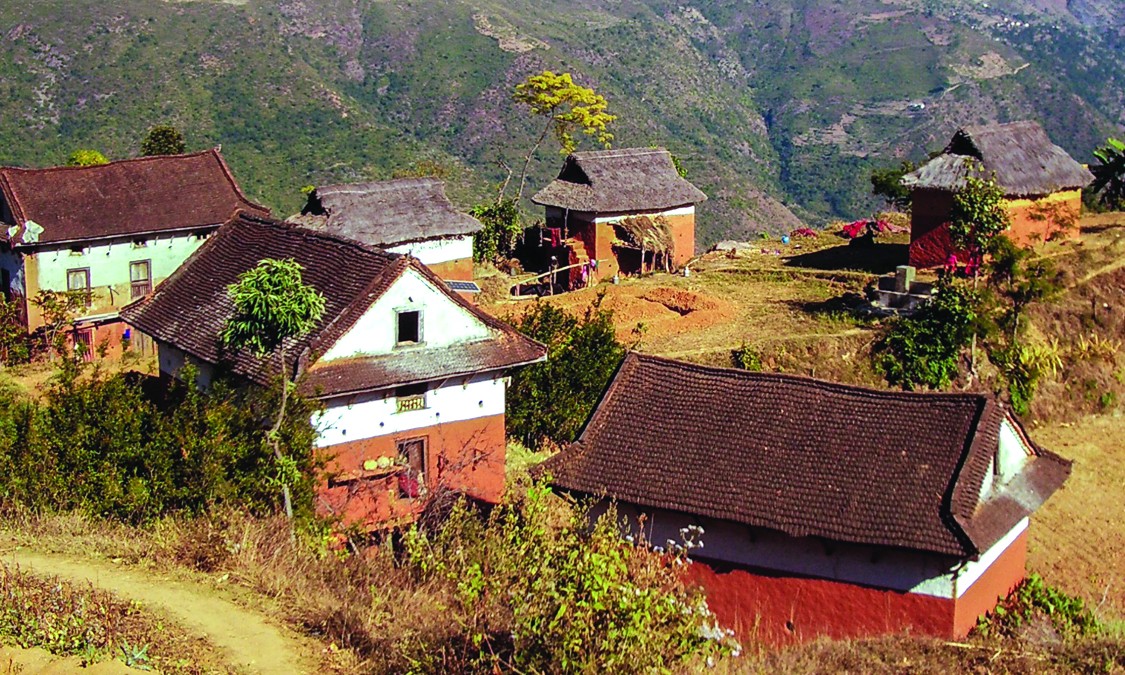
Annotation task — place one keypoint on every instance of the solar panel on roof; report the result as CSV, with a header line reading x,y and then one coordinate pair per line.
x,y
463,286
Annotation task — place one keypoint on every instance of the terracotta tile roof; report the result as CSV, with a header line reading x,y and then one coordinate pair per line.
x,y
387,213
128,197
619,181
1024,160
189,309
803,457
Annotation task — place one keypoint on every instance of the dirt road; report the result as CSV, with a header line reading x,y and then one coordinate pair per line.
x,y
250,643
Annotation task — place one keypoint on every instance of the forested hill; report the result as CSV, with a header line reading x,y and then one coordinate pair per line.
x,y
775,107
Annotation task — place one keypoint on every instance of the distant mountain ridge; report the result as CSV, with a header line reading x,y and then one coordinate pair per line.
x,y
778,108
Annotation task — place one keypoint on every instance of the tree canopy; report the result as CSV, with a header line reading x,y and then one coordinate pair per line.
x,y
1109,174
568,108
163,139
272,304
86,157
978,214
887,183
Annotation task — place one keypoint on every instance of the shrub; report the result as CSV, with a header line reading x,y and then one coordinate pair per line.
x,y
541,591
97,444
923,350
502,225
746,358
1032,599
549,402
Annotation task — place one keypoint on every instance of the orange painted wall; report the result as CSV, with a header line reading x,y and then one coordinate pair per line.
x,y
1031,221
466,457
683,236
454,270
781,610
929,236
997,581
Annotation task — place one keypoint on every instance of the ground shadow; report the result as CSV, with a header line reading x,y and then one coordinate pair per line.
x,y
841,307
876,258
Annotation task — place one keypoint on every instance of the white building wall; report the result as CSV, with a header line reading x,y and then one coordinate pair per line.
x,y
109,262
353,418
899,570
12,262
172,360
1012,453
437,251
444,322
681,211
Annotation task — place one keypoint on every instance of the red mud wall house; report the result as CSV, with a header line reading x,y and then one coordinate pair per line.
x,y
826,509
1042,185
412,377
595,191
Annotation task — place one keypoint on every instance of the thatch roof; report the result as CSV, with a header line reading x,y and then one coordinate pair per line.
x,y
619,181
386,213
1023,159
647,233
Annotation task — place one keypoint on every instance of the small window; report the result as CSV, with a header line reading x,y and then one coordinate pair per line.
x,y
412,454
78,280
200,236
409,327
140,243
410,398
140,278
77,250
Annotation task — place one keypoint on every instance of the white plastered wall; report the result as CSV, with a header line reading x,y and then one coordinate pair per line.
x,y
894,569
172,361
353,418
444,322
437,251
681,211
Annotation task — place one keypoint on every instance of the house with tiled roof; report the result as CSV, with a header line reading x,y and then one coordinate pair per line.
x,y
1042,187
113,230
411,376
826,509
629,209
404,215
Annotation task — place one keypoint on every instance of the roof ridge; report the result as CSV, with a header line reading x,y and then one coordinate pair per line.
x,y
115,162
828,384
620,152
309,232
352,187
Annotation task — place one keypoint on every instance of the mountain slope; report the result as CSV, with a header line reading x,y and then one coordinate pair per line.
x,y
774,106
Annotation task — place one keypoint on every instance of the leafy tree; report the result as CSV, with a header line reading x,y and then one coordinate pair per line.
x,y
567,108
548,403
272,304
978,215
86,157
502,225
923,350
1109,174
163,139
887,183
14,344
59,309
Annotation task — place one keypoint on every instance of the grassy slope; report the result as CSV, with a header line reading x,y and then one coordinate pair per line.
x,y
766,102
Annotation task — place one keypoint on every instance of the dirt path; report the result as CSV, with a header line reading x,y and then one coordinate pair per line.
x,y
250,643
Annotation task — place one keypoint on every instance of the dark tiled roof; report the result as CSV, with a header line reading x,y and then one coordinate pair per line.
x,y
619,181
1022,157
387,213
190,308
129,197
803,457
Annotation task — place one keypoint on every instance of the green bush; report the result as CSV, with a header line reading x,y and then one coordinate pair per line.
x,y
96,443
923,350
502,225
536,589
746,358
1032,599
549,402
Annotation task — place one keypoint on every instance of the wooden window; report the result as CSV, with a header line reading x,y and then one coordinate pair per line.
x,y
140,278
140,243
412,453
410,398
84,343
409,327
78,280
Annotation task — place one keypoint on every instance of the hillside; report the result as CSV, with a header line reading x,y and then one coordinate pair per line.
x,y
778,109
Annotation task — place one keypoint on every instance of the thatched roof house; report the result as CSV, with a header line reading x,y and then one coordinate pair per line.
x,y
1041,182
596,192
619,181
1020,155
405,215
869,508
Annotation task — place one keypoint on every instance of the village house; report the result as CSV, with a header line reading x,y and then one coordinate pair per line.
x,y
826,509
113,230
626,209
1042,187
407,215
412,377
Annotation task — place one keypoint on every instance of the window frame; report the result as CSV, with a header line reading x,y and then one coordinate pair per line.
x,y
411,471
142,284
418,328
88,290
